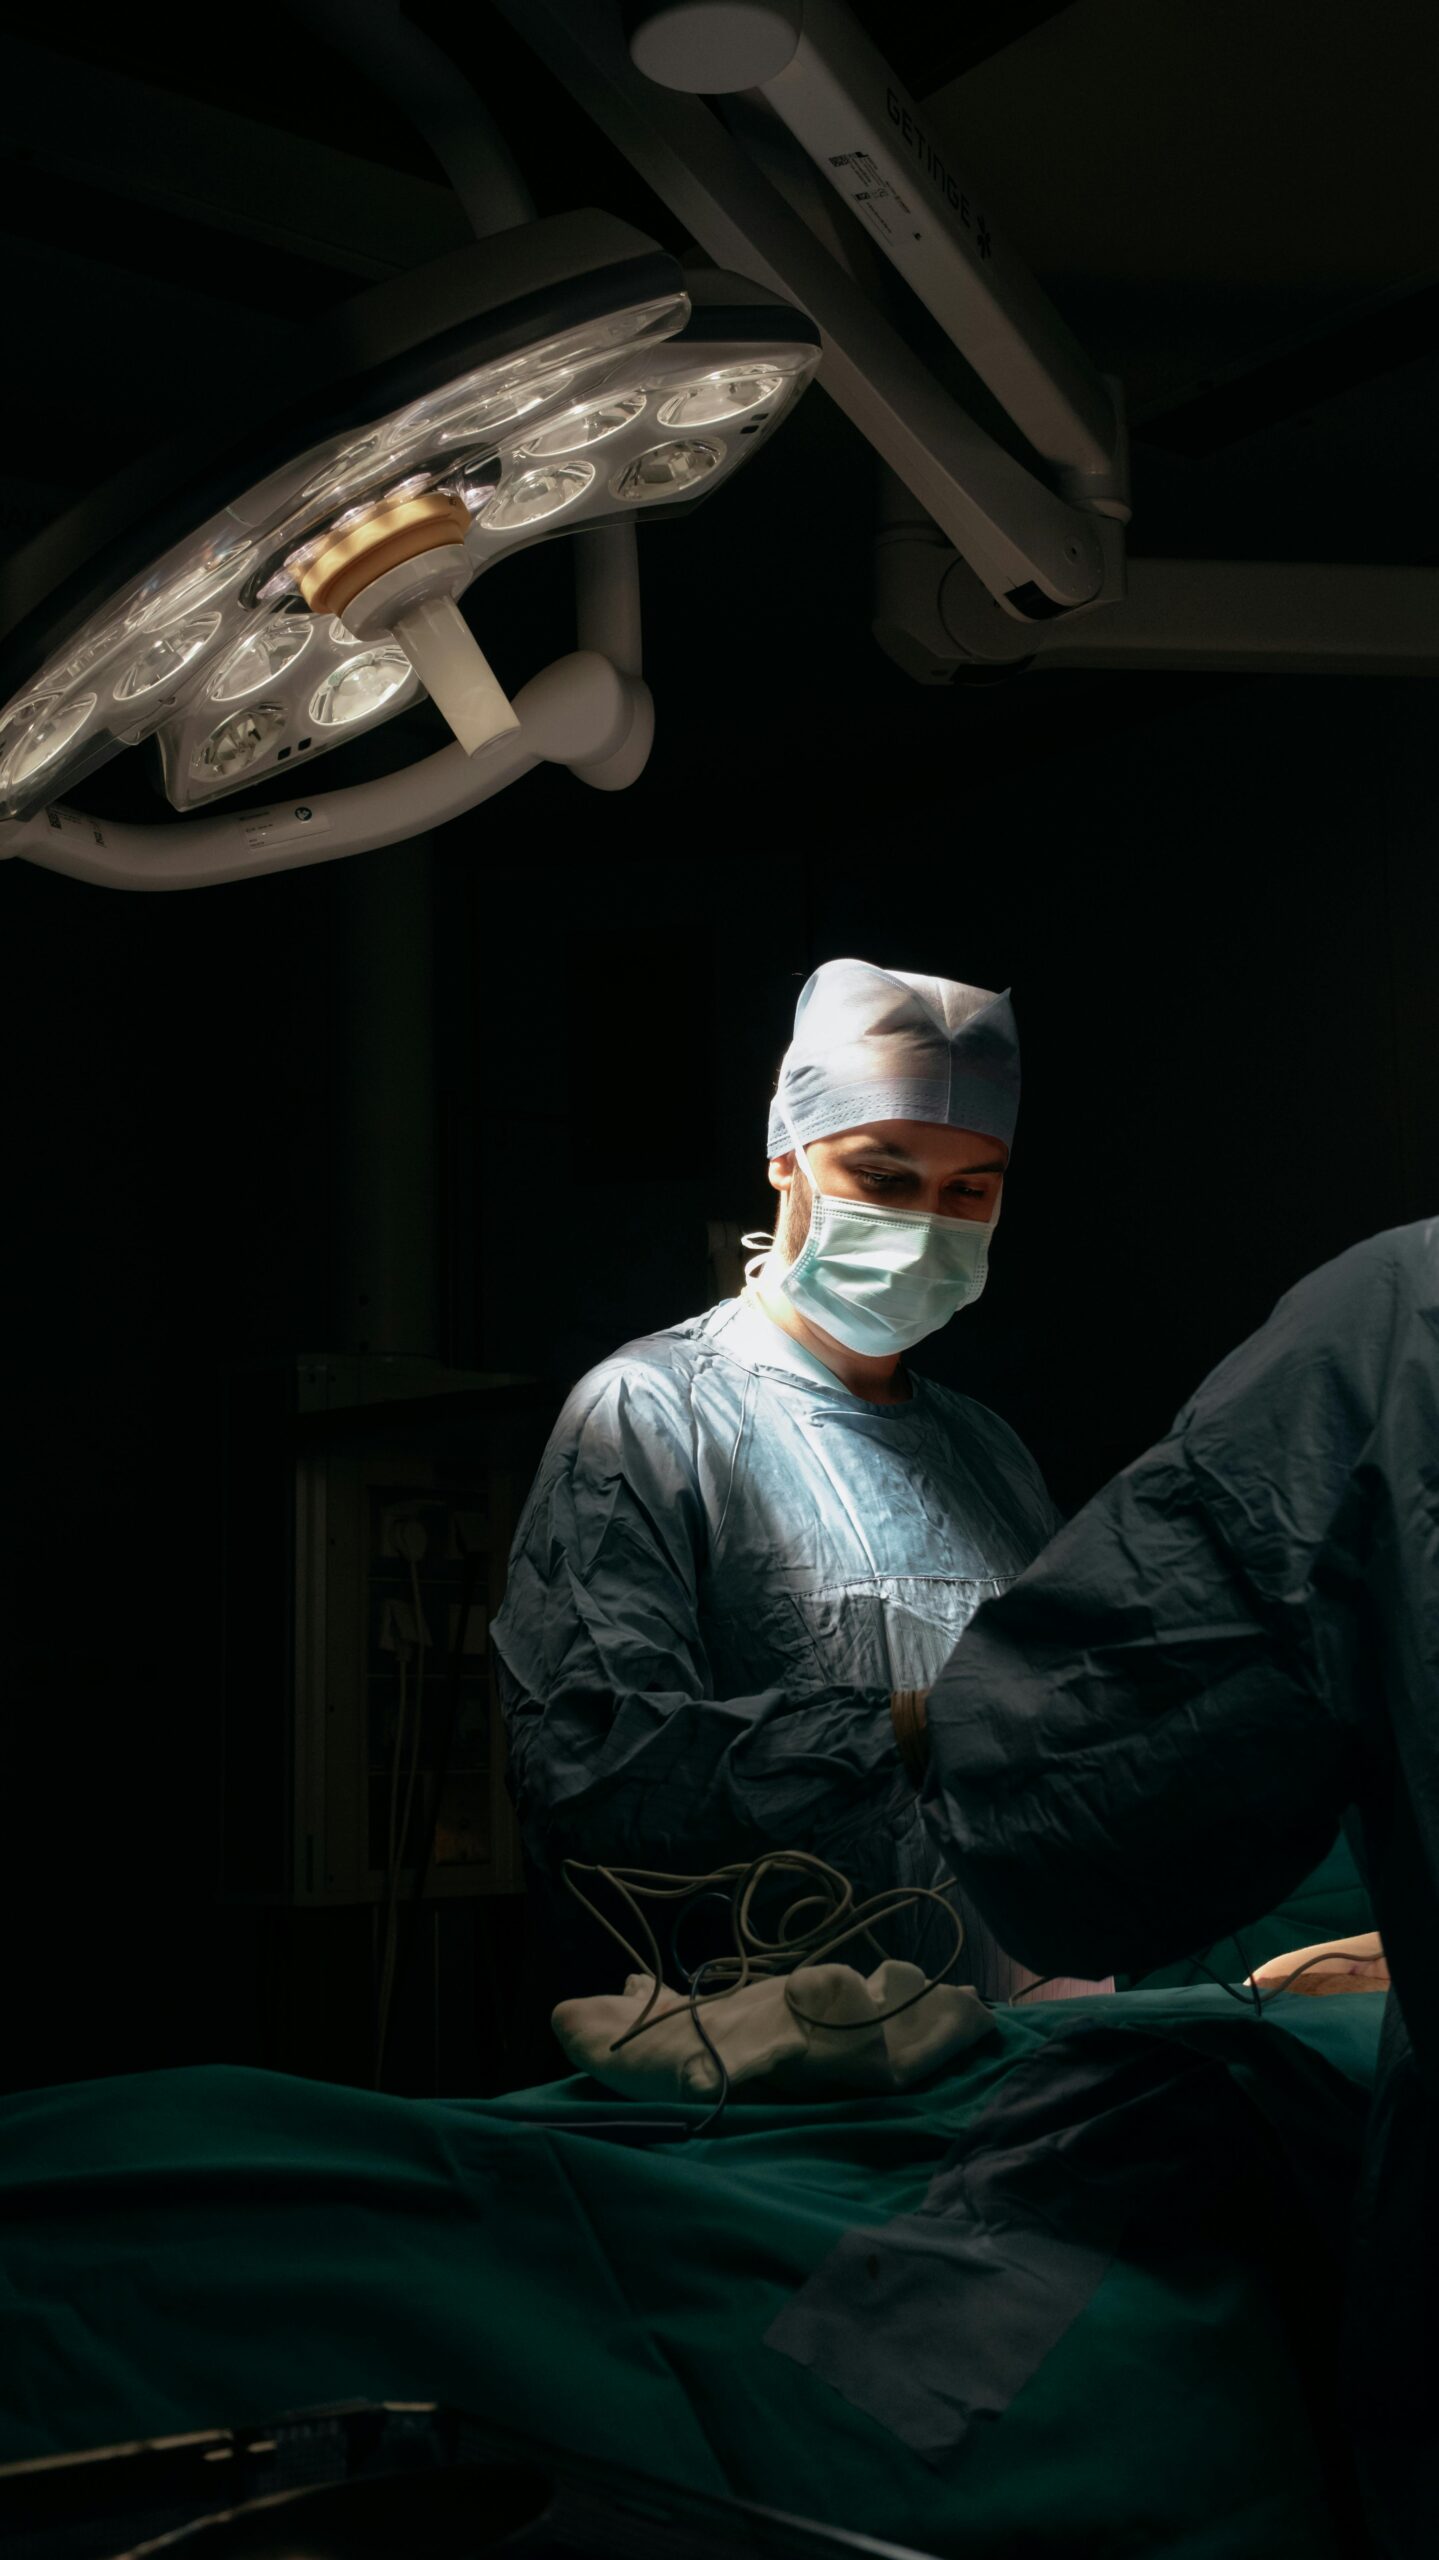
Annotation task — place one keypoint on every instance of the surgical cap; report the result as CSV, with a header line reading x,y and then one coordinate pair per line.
x,y
882,1044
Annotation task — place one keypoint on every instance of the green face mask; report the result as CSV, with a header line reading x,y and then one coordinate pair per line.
x,y
880,1279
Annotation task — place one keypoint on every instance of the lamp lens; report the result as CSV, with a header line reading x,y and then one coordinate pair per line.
x,y
262,657
476,407
362,685
39,732
708,403
238,742
586,426
166,655
536,494
666,471
170,593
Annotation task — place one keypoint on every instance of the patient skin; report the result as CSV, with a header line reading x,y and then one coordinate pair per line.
x,y
1335,1964
903,1164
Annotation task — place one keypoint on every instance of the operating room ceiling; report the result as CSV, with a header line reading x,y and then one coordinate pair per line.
x,y
1237,209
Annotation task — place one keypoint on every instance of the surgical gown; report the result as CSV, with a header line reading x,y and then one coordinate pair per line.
x,y
1155,1733
726,1565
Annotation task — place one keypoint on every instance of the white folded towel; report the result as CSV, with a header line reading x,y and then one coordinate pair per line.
x,y
859,2048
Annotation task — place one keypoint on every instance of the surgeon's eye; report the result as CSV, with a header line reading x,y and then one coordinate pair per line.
x,y
883,1181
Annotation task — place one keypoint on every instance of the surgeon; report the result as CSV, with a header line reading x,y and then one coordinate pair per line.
x,y
756,1534
1157,1731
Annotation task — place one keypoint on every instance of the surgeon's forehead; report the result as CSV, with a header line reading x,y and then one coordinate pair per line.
x,y
921,1143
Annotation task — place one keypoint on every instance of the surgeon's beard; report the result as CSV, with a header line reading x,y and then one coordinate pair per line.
x,y
794,1220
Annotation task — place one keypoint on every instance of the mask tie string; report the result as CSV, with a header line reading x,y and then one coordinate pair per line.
x,y
760,1244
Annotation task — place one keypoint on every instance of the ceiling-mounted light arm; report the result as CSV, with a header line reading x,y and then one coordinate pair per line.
x,y
815,66
607,621
427,87
433,93
1262,617
580,712
607,596
412,600
1038,554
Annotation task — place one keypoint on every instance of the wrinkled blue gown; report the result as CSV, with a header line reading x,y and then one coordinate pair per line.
x,y
725,1566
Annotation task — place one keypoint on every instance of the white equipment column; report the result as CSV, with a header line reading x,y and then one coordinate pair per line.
x,y
816,67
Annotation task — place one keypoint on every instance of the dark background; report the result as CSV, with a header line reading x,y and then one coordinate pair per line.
x,y
1216,900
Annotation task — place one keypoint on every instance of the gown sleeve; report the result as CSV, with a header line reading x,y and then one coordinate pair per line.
x,y
1151,1737
620,1752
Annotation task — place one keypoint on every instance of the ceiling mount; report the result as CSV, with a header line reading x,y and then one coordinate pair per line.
x,y
977,541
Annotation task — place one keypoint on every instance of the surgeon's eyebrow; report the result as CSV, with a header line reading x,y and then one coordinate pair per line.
x,y
893,1153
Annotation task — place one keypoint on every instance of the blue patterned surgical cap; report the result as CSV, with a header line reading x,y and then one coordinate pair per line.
x,y
882,1044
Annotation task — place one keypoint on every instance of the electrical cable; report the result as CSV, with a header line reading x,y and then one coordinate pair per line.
x,y
1248,1992
756,1957
797,1940
396,1757
404,1829
716,2113
381,1986
685,1913
1324,1955
472,1559
454,1681
399,1822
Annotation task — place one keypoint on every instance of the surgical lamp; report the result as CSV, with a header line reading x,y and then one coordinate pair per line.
x,y
248,612
250,609
560,378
